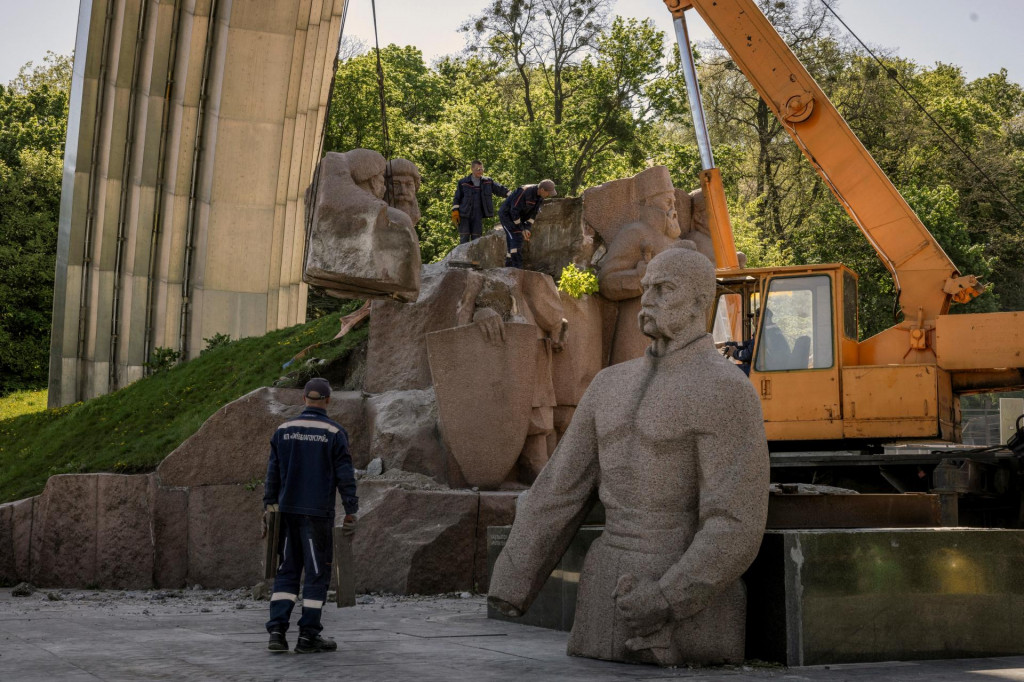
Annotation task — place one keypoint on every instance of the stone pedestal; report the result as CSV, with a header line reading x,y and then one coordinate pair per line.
x,y
852,595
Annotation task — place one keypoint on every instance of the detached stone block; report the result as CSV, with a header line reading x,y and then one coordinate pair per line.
x,y
359,247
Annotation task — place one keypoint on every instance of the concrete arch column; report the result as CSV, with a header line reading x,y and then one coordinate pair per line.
x,y
194,128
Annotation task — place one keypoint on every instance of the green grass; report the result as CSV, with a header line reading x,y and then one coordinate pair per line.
x,y
22,402
132,430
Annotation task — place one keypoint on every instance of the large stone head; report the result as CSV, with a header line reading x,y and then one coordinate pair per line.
x,y
657,199
367,170
405,180
679,287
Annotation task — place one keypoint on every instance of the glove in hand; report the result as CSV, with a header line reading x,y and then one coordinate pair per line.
x,y
456,218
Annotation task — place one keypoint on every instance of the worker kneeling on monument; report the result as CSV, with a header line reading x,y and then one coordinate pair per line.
x,y
674,445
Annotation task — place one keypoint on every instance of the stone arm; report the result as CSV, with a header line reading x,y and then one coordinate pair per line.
x,y
546,308
625,264
733,458
548,516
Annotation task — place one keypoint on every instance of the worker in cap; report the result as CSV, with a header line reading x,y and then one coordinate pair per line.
x,y
309,460
517,215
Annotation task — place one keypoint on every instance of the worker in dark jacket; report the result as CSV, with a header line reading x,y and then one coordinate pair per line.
x,y
474,201
517,214
309,460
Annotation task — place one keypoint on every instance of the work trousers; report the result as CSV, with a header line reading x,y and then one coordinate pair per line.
x,y
307,546
513,242
471,227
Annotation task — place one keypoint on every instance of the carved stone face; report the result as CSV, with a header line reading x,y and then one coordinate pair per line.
x,y
374,185
659,211
678,287
405,196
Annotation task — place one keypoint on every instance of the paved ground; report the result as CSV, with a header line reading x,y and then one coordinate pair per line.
x,y
211,635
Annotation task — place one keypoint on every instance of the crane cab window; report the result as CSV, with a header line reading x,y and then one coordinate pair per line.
x,y
796,327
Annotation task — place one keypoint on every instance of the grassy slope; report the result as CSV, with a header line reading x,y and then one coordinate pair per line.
x,y
22,402
133,429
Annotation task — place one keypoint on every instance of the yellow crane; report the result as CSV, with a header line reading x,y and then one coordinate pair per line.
x,y
816,380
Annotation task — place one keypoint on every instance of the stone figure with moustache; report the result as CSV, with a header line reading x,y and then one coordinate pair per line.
x,y
674,446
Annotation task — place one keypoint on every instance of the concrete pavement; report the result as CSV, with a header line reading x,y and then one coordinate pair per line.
x,y
214,635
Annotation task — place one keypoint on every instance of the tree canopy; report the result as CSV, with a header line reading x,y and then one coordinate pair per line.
x,y
567,90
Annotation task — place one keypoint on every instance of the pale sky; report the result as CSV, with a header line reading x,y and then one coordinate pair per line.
x,y
981,35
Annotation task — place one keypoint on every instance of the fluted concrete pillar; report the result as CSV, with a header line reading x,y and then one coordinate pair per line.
x,y
194,127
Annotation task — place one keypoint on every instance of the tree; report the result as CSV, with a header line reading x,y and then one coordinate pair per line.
x,y
33,120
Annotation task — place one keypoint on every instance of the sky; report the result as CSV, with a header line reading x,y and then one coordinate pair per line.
x,y
981,36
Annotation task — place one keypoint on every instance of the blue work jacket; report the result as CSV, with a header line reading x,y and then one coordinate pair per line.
x,y
466,191
309,459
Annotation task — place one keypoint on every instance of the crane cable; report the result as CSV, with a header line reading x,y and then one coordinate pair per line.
x,y
892,74
388,175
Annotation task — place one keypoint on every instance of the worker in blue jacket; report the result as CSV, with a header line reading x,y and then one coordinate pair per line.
x,y
517,214
474,201
309,460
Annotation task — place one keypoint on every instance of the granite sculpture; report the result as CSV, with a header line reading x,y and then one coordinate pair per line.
x,y
358,246
637,219
674,446
692,215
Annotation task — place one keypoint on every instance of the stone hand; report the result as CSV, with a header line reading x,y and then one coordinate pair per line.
x,y
646,254
504,607
558,340
641,604
348,526
491,324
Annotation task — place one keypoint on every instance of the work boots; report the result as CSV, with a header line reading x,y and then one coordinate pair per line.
x,y
311,644
277,642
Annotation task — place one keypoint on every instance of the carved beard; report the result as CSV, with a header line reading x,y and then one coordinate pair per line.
x,y
665,222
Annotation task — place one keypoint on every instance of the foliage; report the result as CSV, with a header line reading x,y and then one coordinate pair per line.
x,y
163,359
576,282
216,341
33,121
133,429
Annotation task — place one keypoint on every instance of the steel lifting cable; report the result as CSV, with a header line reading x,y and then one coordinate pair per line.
x,y
891,73
388,176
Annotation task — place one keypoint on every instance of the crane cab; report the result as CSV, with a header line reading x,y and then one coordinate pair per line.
x,y
793,330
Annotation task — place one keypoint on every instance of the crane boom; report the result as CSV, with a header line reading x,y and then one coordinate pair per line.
x,y
925,277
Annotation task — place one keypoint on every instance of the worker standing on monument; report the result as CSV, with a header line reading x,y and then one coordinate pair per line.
x,y
309,459
474,201
517,214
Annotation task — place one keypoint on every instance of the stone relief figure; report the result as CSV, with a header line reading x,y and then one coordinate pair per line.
x,y
693,221
673,445
358,246
637,219
524,296
405,182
